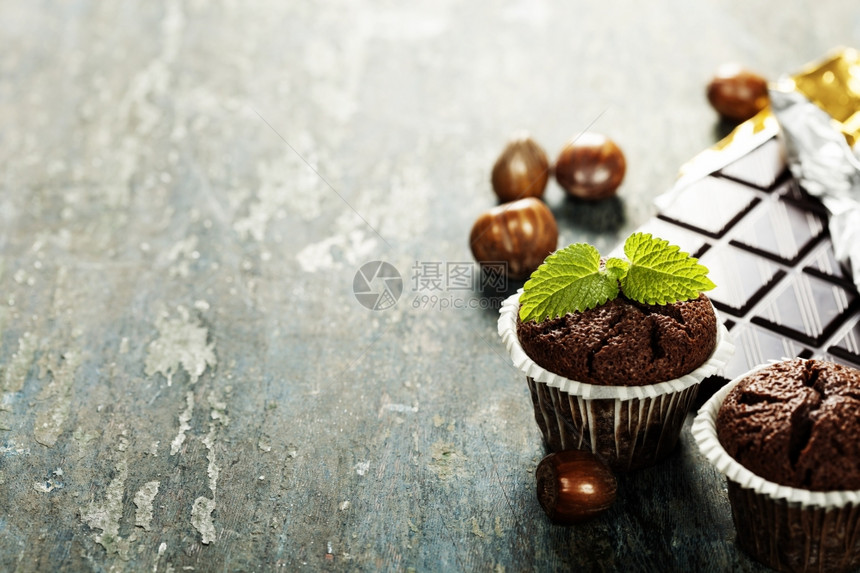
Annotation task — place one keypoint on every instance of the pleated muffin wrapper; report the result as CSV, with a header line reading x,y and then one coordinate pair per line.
x,y
628,427
786,528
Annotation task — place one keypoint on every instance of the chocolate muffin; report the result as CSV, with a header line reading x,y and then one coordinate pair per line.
x,y
617,380
796,423
623,342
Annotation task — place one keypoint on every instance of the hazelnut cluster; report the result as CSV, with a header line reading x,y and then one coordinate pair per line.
x,y
522,230
590,166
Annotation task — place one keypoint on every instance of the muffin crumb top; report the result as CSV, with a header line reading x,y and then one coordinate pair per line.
x,y
623,342
796,423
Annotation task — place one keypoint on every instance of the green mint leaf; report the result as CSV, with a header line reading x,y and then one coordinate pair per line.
x,y
569,280
660,273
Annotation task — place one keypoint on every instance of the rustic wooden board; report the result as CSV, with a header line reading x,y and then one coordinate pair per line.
x,y
188,189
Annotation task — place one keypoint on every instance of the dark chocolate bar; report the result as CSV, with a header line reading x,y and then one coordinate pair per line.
x,y
779,288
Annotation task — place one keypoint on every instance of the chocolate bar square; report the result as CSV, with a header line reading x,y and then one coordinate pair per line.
x,y
742,278
710,206
761,168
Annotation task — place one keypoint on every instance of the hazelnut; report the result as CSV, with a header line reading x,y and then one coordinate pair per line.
x,y
522,170
737,93
590,167
521,234
573,485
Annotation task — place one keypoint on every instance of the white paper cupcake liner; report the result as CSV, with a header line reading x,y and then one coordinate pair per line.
x,y
723,350
629,427
625,434
705,432
786,528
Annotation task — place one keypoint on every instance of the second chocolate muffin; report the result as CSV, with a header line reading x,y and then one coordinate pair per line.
x,y
796,423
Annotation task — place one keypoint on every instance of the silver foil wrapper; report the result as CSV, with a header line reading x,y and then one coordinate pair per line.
x,y
823,163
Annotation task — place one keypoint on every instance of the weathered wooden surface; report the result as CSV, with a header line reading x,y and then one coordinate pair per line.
x,y
186,379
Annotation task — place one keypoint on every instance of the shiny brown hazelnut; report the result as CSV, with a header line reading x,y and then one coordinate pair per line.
x,y
573,485
591,167
520,234
737,93
522,170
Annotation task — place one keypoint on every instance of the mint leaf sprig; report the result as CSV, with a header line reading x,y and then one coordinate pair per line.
x,y
573,280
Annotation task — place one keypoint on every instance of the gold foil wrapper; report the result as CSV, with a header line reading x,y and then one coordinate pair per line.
x,y
834,85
